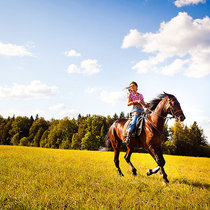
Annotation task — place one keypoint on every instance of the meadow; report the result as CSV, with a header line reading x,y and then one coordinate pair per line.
x,y
38,178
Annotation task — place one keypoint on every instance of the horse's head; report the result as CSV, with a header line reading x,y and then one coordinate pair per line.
x,y
173,107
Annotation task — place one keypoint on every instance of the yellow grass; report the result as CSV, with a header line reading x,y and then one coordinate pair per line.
x,y
37,178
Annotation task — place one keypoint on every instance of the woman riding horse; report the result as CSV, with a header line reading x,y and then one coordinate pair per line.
x,y
136,100
151,135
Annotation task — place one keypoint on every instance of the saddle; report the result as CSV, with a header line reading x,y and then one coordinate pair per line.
x,y
138,127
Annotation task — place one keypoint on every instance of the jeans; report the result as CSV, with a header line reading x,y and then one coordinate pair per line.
x,y
132,124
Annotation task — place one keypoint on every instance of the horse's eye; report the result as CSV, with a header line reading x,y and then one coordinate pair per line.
x,y
171,101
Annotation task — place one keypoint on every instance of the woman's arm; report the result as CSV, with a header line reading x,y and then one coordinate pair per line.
x,y
130,103
141,102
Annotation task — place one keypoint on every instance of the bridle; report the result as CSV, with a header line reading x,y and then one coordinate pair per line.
x,y
172,113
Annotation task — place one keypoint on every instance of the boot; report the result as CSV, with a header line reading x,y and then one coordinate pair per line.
x,y
127,138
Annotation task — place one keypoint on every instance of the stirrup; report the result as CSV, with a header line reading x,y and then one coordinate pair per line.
x,y
127,139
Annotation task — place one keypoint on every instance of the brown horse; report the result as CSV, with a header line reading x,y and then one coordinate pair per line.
x,y
151,136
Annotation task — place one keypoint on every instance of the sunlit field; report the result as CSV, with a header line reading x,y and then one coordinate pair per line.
x,y
37,178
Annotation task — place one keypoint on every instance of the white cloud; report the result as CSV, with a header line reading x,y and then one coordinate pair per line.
x,y
144,65
63,111
182,42
181,3
58,107
72,69
133,39
72,53
35,89
88,67
69,113
178,65
13,50
112,97
90,90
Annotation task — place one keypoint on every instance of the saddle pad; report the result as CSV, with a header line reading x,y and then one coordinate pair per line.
x,y
138,128
139,124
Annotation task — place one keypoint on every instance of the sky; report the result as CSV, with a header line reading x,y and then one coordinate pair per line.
x,y
64,57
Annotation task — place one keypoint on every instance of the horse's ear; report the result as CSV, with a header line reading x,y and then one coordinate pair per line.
x,y
167,94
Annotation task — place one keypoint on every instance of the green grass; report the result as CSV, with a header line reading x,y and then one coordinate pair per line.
x,y
37,178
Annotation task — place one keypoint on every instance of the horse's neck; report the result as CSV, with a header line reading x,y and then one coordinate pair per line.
x,y
159,114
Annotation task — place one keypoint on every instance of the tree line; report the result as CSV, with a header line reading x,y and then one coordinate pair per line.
x,y
88,132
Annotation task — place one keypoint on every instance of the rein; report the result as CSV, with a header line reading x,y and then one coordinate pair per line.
x,y
173,116
166,118
153,126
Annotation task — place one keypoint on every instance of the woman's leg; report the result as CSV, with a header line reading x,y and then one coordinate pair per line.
x,y
131,128
132,124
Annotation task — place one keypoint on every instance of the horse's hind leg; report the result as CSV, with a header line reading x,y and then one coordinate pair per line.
x,y
127,158
116,144
116,161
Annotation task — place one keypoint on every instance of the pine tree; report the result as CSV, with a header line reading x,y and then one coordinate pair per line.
x,y
196,139
122,115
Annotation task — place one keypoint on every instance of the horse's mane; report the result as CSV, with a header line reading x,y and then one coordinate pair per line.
x,y
154,102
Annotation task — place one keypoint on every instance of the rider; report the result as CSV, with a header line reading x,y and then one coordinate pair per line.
x,y
136,100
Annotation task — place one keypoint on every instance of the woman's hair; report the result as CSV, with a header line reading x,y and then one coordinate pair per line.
x,y
129,87
134,83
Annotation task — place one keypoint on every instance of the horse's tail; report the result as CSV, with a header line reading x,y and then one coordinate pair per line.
x,y
107,140
107,143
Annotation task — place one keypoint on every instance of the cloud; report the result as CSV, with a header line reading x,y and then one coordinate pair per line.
x,y
181,3
90,90
35,89
72,113
73,69
57,107
112,97
88,67
133,39
72,53
13,50
180,45
178,65
64,111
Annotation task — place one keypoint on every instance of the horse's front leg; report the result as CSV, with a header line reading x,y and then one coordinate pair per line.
x,y
163,173
153,171
158,156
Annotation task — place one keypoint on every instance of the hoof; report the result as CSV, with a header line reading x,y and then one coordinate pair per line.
x,y
149,172
165,181
120,173
134,172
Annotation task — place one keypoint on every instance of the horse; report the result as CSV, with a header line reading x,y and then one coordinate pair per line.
x,y
151,136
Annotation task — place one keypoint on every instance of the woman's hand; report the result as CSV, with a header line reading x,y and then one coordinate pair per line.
x,y
139,102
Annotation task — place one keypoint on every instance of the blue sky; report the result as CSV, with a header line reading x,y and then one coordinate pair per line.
x,y
61,58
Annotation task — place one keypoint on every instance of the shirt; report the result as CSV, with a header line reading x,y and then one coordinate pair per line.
x,y
135,96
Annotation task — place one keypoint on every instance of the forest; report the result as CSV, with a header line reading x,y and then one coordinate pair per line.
x,y
88,132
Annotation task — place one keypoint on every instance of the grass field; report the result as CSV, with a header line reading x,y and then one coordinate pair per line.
x,y
37,178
